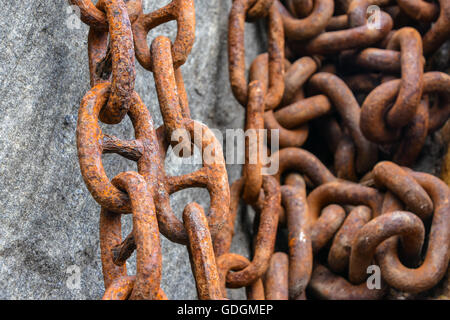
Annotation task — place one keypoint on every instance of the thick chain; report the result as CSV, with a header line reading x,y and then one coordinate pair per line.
x,y
354,207
334,197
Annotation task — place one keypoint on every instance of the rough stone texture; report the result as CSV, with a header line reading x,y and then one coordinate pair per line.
x,y
48,220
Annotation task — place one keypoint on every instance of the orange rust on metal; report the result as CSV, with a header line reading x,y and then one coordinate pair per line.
x,y
353,38
265,238
339,254
202,253
325,227
391,203
180,10
344,159
409,41
373,123
420,10
212,176
391,176
287,138
296,76
310,26
254,145
95,17
357,10
276,278
90,141
439,31
259,9
236,54
406,126
222,242
234,262
397,115
146,285
293,198
435,264
302,111
121,288
439,113
111,236
348,108
337,23
300,8
396,223
145,193
303,162
328,286
166,87
182,94
121,60
417,130
145,234
372,119
99,56
374,59
341,192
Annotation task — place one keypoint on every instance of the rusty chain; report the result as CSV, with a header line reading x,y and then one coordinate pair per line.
x,y
117,33
341,95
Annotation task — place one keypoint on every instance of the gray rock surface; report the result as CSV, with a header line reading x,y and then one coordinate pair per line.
x,y
48,219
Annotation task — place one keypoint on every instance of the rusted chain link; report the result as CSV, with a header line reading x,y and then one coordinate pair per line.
x,y
339,254
435,264
276,278
145,233
252,171
180,10
201,253
310,26
95,16
373,114
265,238
299,239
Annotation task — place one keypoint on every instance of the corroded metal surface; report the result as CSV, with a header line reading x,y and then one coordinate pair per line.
x,y
145,194
236,54
343,211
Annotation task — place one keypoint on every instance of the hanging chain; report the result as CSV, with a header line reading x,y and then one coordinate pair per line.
x,y
118,32
343,210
